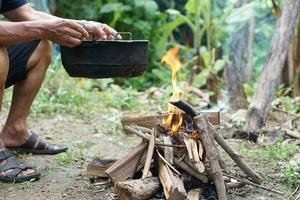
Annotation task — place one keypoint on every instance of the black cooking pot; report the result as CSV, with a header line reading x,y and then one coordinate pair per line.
x,y
106,58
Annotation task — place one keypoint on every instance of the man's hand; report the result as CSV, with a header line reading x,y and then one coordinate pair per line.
x,y
70,32
99,31
65,32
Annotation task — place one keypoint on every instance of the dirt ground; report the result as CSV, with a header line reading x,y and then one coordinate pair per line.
x,y
64,176
68,181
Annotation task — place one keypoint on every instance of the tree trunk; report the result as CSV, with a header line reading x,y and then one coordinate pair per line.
x,y
270,76
295,59
291,71
240,69
241,47
235,91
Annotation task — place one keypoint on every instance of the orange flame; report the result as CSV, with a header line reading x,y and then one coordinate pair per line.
x,y
174,119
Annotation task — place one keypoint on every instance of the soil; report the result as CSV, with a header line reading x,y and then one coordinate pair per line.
x,y
68,181
64,177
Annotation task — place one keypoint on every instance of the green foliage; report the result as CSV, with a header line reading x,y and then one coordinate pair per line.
x,y
273,154
291,174
284,102
74,155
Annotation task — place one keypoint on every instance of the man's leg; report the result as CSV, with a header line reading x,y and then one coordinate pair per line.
x,y
4,64
15,132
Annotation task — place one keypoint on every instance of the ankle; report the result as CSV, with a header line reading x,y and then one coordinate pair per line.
x,y
15,129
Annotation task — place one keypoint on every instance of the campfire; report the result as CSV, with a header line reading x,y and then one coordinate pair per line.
x,y
178,156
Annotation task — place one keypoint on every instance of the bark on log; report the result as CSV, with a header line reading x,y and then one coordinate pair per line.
x,y
212,155
270,76
139,189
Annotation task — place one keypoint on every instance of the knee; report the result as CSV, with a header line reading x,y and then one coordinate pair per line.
x,y
4,65
45,48
42,56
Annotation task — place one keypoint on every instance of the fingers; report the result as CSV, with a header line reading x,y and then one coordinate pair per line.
x,y
71,42
74,34
110,32
101,31
77,27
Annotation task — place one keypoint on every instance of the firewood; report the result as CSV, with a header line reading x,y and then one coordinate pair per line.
x,y
98,166
235,185
138,189
190,170
198,166
127,166
212,155
168,151
149,155
202,123
201,150
293,134
166,162
194,194
172,185
188,144
196,158
150,121
254,184
231,152
133,129
191,146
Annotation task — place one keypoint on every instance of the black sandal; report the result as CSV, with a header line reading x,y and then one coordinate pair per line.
x,y
38,146
16,167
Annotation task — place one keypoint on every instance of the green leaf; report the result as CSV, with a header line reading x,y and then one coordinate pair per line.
x,y
201,79
219,65
206,58
190,7
149,6
166,30
114,7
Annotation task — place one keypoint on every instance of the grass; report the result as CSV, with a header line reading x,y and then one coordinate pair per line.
x,y
75,155
274,163
81,97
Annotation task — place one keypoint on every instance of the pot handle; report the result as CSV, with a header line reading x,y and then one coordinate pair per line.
x,y
124,33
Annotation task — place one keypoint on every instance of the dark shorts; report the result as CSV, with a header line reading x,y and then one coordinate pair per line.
x,y
18,55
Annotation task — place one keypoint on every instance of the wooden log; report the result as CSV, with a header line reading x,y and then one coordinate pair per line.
x,y
127,166
212,155
137,189
206,126
172,185
98,166
151,121
194,158
194,194
256,178
149,156
293,134
190,170
168,151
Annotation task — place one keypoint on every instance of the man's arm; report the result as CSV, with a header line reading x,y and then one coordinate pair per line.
x,y
65,32
27,13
